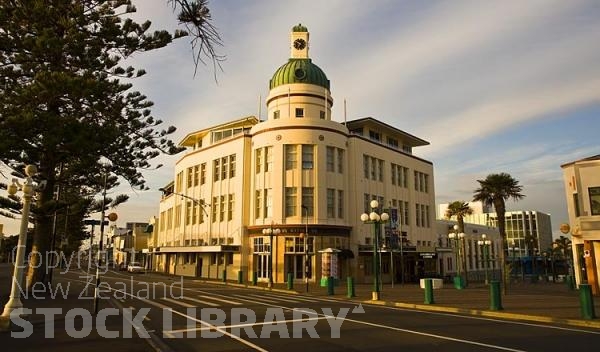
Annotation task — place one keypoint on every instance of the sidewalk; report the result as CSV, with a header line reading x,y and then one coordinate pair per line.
x,y
545,302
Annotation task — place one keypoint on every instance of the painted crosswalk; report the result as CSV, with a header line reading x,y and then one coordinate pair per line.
x,y
200,300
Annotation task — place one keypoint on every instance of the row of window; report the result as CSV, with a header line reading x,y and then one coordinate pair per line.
x,y
399,175
331,154
292,245
222,209
422,211
291,156
224,167
373,168
196,175
422,218
421,182
298,112
265,154
376,136
334,197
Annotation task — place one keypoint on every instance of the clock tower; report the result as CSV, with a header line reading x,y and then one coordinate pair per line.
x,y
299,42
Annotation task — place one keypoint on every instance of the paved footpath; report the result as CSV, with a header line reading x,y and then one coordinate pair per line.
x,y
546,302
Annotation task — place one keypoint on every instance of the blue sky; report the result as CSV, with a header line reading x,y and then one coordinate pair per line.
x,y
494,86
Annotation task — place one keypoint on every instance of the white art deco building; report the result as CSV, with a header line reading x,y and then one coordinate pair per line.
x,y
263,198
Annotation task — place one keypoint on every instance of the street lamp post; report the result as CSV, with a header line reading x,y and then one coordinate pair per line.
x,y
514,248
306,258
271,231
375,219
459,237
485,244
14,306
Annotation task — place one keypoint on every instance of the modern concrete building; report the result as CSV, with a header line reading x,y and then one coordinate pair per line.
x,y
582,188
475,256
282,198
528,234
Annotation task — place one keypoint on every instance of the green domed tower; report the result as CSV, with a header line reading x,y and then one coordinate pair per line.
x,y
299,88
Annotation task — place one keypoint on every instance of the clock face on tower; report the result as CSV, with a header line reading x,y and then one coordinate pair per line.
x,y
299,44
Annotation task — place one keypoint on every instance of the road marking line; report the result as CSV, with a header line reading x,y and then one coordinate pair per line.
x,y
201,301
220,300
293,297
178,302
246,325
253,299
274,297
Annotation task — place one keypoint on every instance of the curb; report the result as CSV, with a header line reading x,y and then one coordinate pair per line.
x,y
489,314
595,324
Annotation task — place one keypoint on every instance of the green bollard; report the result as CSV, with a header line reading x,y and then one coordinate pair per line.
x,y
459,283
254,278
330,286
429,291
350,283
587,302
569,281
495,297
240,277
225,276
290,281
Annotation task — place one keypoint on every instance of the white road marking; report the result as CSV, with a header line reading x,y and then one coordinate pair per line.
x,y
178,302
220,300
201,301
274,297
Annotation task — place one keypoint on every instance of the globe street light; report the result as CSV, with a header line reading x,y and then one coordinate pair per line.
x,y
271,231
14,306
375,219
485,244
458,237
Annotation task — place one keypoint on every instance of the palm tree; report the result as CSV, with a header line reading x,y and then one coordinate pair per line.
x,y
562,245
460,209
495,190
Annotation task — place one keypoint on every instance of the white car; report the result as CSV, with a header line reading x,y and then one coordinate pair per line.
x,y
135,267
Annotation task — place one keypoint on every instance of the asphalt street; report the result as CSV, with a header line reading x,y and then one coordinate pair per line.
x,y
173,314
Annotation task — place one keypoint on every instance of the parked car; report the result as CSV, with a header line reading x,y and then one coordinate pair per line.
x,y
135,267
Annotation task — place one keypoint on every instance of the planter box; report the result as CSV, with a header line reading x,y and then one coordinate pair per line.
x,y
435,283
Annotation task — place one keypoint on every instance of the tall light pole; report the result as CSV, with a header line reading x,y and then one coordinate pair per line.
x,y
306,258
513,247
14,306
375,219
271,231
485,244
458,237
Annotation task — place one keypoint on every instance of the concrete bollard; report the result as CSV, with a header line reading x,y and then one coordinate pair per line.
x,y
224,275
350,282
240,277
290,281
587,302
254,278
495,297
429,291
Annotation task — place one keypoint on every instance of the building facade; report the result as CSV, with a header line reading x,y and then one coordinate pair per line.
x,y
528,236
479,260
582,189
281,198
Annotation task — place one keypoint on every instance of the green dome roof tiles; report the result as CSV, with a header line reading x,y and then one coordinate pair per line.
x,y
299,28
299,71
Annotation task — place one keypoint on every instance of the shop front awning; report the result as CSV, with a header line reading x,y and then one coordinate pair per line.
x,y
198,249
